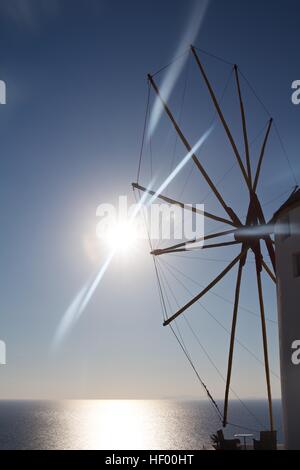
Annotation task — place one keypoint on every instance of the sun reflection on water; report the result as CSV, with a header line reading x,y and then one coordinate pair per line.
x,y
137,424
118,424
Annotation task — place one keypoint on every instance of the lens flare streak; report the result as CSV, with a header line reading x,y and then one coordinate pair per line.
x,y
82,299
193,27
180,165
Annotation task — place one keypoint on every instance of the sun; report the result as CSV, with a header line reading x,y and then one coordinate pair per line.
x,y
121,237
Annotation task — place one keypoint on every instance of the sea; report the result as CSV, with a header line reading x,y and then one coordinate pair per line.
x,y
127,424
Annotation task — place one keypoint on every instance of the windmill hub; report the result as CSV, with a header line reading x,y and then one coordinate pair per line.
x,y
249,234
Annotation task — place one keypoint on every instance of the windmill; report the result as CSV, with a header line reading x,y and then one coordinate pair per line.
x,y
250,234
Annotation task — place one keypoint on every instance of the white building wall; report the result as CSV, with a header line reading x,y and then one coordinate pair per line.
x,y
287,248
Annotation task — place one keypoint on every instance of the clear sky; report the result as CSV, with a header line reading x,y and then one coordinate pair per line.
x,y
70,139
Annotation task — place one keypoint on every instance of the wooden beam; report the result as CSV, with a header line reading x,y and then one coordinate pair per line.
x,y
195,240
232,336
268,270
184,206
262,153
204,291
221,116
179,250
265,345
246,143
212,186
251,218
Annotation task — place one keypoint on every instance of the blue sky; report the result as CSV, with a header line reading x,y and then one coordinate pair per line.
x,y
70,139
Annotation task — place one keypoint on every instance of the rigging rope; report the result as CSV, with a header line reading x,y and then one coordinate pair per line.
x,y
212,291
188,356
278,197
221,325
211,124
181,111
144,132
199,378
176,135
214,56
293,174
253,91
161,297
181,343
286,154
212,362
209,193
180,56
186,256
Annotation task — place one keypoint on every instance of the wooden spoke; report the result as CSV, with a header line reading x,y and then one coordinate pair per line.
x,y
184,206
179,250
232,335
204,291
221,116
265,344
262,153
246,143
271,251
195,240
268,270
212,186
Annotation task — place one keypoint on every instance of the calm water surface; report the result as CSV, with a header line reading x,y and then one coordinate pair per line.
x,y
121,424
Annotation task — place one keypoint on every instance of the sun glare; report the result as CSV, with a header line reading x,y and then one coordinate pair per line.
x,y
122,236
